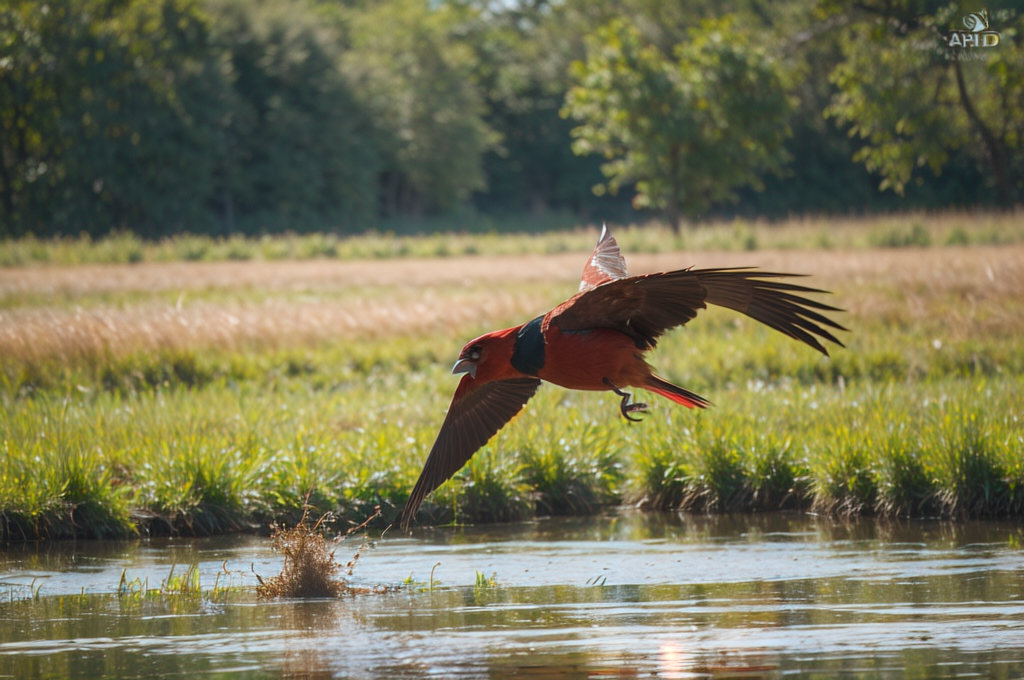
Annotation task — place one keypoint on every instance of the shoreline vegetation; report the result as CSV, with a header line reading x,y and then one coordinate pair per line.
x,y
204,397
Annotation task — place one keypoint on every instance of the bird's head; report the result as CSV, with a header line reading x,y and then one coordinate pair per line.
x,y
488,357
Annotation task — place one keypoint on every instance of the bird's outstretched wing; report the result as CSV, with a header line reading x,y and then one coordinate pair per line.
x,y
477,412
605,264
644,307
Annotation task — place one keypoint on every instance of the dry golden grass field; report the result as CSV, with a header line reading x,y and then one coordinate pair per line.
x,y
76,314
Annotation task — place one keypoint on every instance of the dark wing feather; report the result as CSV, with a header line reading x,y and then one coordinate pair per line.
x,y
644,307
772,303
605,264
475,415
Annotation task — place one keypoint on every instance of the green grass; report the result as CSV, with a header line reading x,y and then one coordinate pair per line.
x,y
921,414
951,447
481,237
235,455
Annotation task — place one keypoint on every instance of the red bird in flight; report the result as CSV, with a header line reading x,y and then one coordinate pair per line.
x,y
596,340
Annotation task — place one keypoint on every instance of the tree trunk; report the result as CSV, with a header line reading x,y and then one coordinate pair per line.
x,y
388,194
993,146
672,204
229,213
538,204
7,195
672,212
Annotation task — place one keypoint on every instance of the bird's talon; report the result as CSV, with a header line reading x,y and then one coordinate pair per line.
x,y
624,406
633,408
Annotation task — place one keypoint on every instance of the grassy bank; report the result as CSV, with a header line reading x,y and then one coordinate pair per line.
x,y
203,398
222,459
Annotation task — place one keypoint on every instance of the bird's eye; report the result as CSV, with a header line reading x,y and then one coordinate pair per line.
x,y
474,354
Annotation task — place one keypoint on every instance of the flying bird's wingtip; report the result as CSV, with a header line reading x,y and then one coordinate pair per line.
x,y
839,343
824,350
406,517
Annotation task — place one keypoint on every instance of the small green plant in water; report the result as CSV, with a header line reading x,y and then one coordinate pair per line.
x,y
180,586
185,584
485,581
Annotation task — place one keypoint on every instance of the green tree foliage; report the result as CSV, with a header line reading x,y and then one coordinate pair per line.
x,y
296,148
916,102
522,52
688,130
28,107
418,85
162,116
99,109
223,116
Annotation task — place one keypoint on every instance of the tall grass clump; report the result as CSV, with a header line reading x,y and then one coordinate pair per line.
x,y
844,475
892,451
975,470
573,463
717,467
198,492
489,489
902,237
906,487
54,485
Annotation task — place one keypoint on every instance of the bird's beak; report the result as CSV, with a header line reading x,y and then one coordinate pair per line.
x,y
464,366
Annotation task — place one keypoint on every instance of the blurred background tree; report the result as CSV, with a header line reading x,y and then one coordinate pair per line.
x,y
685,130
917,102
522,54
416,79
234,116
296,149
108,112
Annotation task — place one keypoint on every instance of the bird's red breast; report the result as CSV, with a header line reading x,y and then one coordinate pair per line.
x,y
583,360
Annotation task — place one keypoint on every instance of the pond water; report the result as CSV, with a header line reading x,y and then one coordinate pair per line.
x,y
628,595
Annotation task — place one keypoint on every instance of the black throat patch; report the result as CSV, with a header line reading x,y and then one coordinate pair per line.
x,y
528,350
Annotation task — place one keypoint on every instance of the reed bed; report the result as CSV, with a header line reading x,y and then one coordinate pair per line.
x,y
201,398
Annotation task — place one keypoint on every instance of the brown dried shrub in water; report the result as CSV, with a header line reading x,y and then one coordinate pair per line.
x,y
310,569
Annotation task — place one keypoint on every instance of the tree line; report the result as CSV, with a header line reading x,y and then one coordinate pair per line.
x,y
259,116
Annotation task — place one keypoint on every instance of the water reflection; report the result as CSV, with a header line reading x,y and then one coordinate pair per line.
x,y
679,597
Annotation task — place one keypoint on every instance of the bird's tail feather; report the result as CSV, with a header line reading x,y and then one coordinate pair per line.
x,y
676,393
